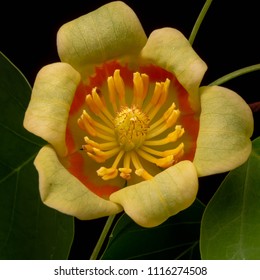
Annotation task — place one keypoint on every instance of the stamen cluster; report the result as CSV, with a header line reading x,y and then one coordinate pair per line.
x,y
128,132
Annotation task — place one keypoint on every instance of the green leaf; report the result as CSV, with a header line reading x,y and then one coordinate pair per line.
x,y
231,222
28,229
177,238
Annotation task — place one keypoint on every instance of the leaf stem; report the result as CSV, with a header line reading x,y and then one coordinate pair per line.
x,y
235,74
102,237
199,21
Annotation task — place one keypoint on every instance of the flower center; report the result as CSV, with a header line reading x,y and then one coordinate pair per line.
x,y
131,126
133,135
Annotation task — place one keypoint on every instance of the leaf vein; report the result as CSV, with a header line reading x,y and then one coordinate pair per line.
x,y
17,169
19,135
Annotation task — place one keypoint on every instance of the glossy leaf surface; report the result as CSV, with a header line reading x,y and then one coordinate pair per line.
x,y
231,222
28,229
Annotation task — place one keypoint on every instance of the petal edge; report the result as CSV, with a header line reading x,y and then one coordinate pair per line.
x,y
226,125
62,191
169,49
151,202
48,110
109,32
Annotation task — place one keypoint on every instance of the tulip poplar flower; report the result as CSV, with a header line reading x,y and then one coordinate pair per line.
x,y
128,125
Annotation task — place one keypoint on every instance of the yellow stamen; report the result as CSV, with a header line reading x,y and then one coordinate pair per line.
x,y
101,105
91,104
112,92
120,86
87,126
94,108
126,170
94,128
167,123
127,159
125,173
87,120
171,137
145,79
103,146
155,97
110,173
163,153
167,157
92,143
101,156
161,100
162,119
161,162
126,132
166,161
141,82
118,158
107,173
143,173
140,171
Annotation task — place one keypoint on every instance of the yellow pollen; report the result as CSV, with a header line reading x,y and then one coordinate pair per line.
x,y
131,135
131,126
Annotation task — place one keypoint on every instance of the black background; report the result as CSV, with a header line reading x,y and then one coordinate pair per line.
x,y
227,40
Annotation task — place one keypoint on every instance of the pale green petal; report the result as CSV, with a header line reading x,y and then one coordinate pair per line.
x,y
226,125
110,32
65,193
169,49
151,202
48,110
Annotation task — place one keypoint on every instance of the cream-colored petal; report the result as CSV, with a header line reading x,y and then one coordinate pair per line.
x,y
226,125
110,32
151,202
169,49
48,110
64,192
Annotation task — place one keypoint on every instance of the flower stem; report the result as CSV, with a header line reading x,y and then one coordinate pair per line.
x,y
235,74
102,237
199,21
